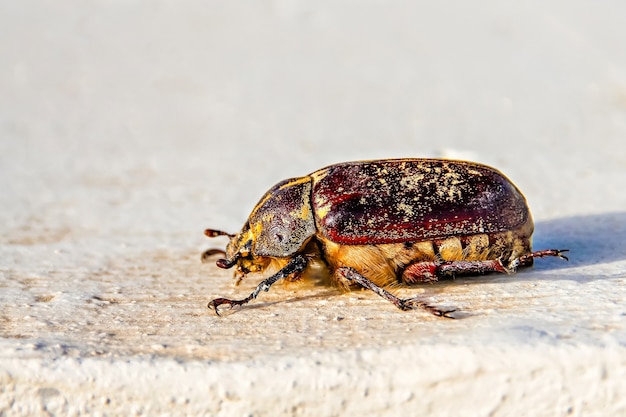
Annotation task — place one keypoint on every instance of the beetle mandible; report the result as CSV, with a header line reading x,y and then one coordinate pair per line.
x,y
376,223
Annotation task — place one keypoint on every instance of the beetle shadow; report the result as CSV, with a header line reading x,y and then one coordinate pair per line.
x,y
591,240
257,304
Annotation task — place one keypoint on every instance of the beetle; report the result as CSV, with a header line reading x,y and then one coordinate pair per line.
x,y
377,223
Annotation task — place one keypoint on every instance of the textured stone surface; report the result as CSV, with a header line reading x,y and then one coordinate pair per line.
x,y
127,128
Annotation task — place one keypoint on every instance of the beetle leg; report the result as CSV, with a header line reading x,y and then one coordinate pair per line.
x,y
295,266
403,304
527,260
420,272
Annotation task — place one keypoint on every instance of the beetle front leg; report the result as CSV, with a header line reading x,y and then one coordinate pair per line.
x,y
403,304
295,266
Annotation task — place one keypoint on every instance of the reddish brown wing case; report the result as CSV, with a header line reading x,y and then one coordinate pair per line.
x,y
408,200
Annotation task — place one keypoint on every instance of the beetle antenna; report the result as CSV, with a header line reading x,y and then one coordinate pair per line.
x,y
207,254
216,233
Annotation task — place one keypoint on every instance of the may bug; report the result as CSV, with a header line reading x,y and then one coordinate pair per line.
x,y
383,222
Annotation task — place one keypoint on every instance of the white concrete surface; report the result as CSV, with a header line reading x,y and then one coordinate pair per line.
x,y
126,128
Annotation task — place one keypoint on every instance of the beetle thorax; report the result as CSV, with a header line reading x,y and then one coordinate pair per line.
x,y
281,223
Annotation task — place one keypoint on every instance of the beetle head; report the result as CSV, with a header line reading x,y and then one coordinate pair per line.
x,y
278,227
239,252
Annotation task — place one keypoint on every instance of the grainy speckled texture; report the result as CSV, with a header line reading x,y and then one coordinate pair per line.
x,y
126,128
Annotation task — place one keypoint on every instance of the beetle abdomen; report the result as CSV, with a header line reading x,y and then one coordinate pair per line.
x,y
392,201
385,264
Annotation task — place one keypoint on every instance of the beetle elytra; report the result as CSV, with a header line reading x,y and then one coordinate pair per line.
x,y
377,223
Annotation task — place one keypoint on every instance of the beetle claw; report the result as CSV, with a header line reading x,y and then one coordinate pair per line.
x,y
210,306
415,303
214,304
444,313
559,253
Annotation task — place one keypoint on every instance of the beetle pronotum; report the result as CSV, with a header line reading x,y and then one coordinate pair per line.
x,y
377,223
